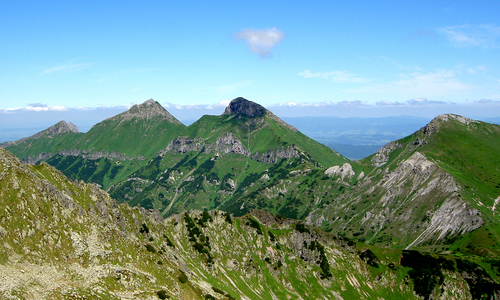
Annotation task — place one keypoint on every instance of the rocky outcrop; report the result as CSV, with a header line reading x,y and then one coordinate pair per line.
x,y
274,155
418,184
228,143
183,145
345,171
382,156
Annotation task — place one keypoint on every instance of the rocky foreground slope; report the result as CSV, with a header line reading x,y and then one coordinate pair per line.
x,y
69,240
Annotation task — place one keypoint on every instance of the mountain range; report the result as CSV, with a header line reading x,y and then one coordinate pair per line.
x,y
436,190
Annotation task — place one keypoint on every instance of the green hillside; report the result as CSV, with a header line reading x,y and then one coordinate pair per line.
x,y
434,190
110,151
216,161
45,143
69,240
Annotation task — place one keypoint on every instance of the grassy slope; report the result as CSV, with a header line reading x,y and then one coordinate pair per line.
x,y
471,153
45,144
135,137
200,180
117,251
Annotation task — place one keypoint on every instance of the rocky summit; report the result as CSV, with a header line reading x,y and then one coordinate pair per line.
x,y
242,107
148,110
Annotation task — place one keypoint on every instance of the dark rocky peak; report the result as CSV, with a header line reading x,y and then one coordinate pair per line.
x,y
148,110
243,107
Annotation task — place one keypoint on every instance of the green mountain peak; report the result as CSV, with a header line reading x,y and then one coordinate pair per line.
x,y
150,109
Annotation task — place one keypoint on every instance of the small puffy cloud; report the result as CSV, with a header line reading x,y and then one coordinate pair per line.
x,y
261,41
482,35
336,76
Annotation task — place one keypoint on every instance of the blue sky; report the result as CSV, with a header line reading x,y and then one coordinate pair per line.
x,y
343,58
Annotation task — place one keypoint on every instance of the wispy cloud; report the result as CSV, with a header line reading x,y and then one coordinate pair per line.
x,y
484,101
336,76
483,35
261,41
220,104
345,103
420,102
412,103
476,70
124,73
432,84
68,68
230,88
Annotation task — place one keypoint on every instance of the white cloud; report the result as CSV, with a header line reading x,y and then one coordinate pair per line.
x,y
68,68
482,35
336,76
261,41
37,107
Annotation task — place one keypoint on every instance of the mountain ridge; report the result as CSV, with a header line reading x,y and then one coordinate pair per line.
x,y
429,190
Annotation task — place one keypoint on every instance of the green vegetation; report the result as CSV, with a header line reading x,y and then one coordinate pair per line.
x,y
162,294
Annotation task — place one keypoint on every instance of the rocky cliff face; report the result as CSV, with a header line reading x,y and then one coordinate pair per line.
x,y
228,143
